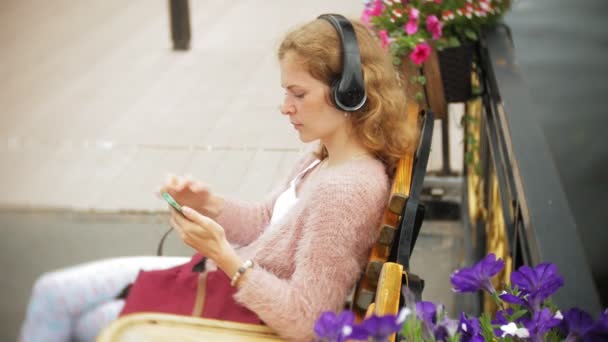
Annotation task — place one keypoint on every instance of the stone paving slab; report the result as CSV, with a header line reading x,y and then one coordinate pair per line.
x,y
96,87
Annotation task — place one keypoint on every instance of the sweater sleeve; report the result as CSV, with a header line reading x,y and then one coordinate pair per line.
x,y
244,221
328,261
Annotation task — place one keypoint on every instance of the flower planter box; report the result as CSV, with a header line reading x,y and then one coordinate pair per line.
x,y
455,65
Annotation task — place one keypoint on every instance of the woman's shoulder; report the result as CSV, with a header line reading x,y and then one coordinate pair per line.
x,y
364,176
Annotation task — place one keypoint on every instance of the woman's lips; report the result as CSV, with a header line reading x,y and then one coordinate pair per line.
x,y
296,125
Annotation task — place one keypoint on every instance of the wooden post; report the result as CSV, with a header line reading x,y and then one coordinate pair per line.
x,y
434,86
179,15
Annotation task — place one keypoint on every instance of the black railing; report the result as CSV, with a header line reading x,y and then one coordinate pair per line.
x,y
513,155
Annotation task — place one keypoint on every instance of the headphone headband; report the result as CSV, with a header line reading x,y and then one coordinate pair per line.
x,y
348,89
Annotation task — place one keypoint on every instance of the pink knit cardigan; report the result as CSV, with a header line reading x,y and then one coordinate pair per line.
x,y
310,262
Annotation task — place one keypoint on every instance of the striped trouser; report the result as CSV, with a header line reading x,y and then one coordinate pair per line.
x,y
75,303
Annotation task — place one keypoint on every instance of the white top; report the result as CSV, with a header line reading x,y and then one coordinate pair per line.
x,y
288,198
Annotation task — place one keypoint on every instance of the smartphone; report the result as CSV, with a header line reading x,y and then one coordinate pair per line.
x,y
172,202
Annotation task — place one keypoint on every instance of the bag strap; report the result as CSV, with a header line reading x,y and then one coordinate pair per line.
x,y
159,249
413,212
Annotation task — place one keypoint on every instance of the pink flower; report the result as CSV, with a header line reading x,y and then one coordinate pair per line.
x,y
421,53
366,17
437,1
411,27
433,25
377,9
413,13
385,40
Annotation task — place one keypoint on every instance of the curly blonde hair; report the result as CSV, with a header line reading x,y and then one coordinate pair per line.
x,y
381,125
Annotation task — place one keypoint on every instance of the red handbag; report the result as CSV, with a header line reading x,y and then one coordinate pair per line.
x,y
174,290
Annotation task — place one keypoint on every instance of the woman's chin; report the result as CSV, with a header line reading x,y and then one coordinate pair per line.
x,y
305,139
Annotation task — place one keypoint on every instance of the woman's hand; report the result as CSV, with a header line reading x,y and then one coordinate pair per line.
x,y
208,238
193,194
199,232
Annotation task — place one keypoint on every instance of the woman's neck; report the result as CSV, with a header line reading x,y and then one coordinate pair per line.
x,y
342,148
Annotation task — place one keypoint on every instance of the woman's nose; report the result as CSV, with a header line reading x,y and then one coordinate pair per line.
x,y
287,108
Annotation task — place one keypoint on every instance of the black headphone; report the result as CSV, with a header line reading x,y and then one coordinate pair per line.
x,y
348,90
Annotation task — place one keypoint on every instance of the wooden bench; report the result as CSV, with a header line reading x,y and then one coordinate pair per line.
x,y
378,291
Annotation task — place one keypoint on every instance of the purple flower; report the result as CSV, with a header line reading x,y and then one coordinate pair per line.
x,y
334,328
469,329
535,285
540,323
379,328
599,330
428,312
576,322
471,279
578,325
501,319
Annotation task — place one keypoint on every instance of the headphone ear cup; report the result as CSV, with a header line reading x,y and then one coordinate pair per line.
x,y
334,92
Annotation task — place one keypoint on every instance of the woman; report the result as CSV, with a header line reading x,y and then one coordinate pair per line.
x,y
303,248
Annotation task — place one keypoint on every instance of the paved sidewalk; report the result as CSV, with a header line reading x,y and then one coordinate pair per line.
x,y
96,108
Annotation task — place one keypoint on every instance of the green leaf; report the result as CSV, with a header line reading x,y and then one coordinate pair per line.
x,y
453,42
476,91
419,96
471,140
553,336
468,157
470,34
422,80
494,295
486,327
455,338
441,44
549,303
412,329
517,315
479,170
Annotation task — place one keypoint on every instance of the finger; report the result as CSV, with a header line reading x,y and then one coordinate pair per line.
x,y
171,180
180,231
197,186
176,222
195,216
181,184
176,214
